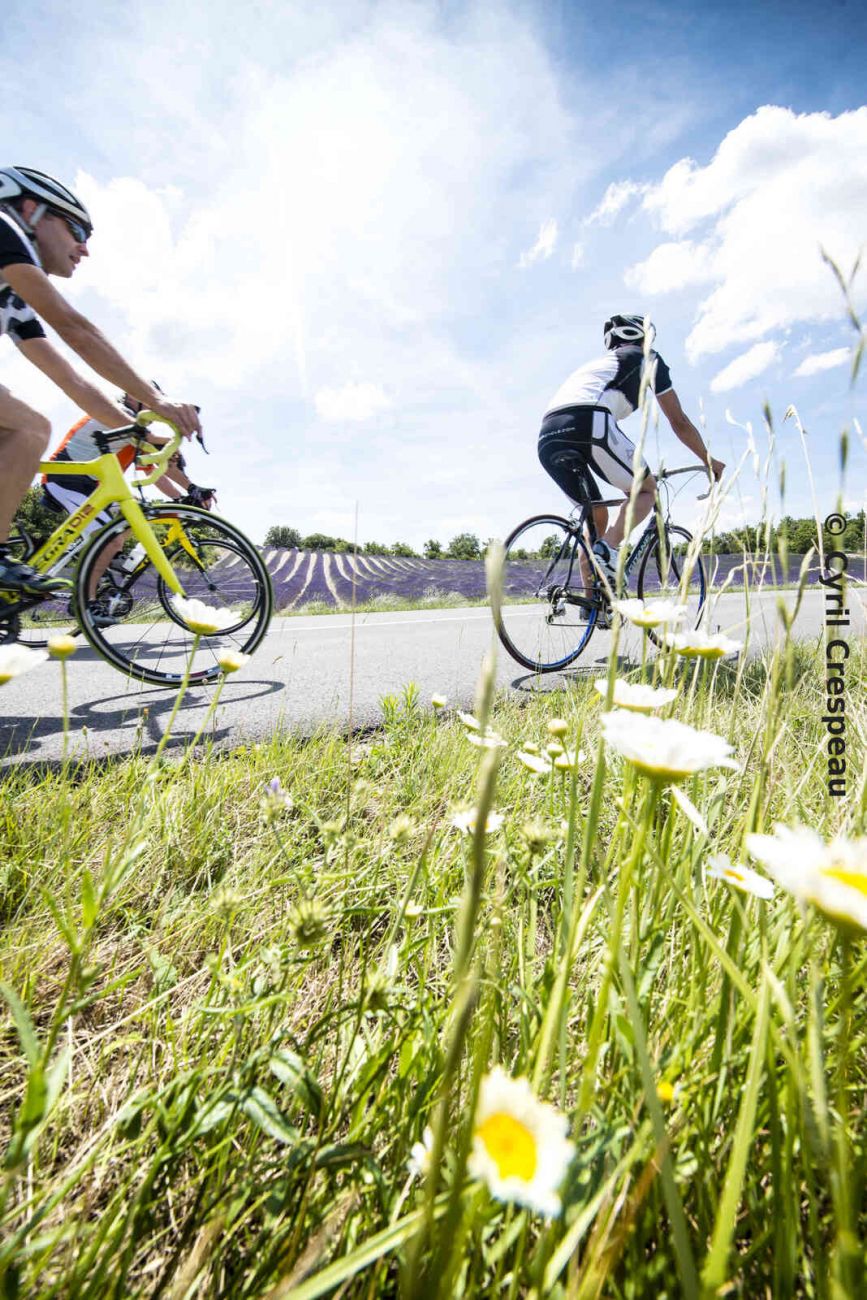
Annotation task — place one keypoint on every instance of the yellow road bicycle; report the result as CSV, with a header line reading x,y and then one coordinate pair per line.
x,y
180,550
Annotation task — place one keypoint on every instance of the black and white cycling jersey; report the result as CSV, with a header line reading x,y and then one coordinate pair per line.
x,y
613,381
16,319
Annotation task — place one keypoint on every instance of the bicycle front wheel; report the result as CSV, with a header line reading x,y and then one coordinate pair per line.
x,y
214,562
549,607
669,572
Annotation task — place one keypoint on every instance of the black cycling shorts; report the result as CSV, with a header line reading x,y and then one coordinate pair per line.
x,y
577,439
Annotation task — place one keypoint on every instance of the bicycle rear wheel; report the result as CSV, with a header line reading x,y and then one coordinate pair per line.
x,y
550,606
665,574
214,562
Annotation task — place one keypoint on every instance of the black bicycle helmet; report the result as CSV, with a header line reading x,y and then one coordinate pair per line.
x,y
618,330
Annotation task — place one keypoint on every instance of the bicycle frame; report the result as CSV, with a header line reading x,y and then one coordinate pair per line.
x,y
112,489
585,520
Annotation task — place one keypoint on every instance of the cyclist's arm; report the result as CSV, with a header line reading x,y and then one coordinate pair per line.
x,y
45,357
33,285
686,431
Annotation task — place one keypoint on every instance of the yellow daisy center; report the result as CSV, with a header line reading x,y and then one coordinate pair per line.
x,y
510,1144
734,874
854,879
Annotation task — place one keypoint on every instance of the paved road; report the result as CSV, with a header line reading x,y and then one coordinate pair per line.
x,y
316,670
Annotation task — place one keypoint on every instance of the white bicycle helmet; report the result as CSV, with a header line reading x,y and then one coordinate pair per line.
x,y
26,182
618,330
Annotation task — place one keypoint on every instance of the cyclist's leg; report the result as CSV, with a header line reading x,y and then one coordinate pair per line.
x,y
565,448
612,459
24,435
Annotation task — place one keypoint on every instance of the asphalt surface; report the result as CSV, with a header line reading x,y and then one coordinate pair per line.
x,y
313,671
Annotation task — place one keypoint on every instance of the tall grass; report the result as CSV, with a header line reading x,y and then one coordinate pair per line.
x,y
234,1013
243,988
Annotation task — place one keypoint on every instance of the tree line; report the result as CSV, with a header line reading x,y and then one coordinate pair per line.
x,y
799,534
465,546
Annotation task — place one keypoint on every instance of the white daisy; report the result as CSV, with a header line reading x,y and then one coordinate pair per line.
x,y
534,763
700,645
520,1144
486,739
470,722
201,618
232,660
18,659
438,701
420,1155
635,695
663,748
739,877
568,760
833,876
650,613
466,821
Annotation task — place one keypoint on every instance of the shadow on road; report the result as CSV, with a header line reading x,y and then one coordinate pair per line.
x,y
546,683
137,724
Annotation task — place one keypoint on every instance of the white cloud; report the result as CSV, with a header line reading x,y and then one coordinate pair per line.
x,y
819,361
671,266
578,256
780,187
613,201
745,367
544,245
352,402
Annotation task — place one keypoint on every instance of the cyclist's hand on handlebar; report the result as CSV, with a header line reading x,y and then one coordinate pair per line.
x,y
183,414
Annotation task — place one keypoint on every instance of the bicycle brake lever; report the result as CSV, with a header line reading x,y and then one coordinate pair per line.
x,y
200,439
704,496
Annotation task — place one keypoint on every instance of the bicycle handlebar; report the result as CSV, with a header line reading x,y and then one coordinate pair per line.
x,y
663,474
157,457
684,469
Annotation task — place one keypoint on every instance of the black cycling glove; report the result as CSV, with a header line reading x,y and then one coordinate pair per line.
x,y
197,496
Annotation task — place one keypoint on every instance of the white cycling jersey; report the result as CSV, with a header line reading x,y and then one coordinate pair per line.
x,y
613,381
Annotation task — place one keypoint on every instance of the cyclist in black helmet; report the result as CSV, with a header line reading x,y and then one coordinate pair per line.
x,y
44,231
580,431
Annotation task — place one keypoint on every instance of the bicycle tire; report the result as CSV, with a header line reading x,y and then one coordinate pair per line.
x,y
567,609
151,642
669,574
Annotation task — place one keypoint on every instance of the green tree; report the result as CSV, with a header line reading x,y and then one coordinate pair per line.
x,y
464,547
283,535
35,519
404,550
433,550
375,548
319,542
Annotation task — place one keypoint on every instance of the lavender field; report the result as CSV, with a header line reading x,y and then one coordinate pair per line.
x,y
322,578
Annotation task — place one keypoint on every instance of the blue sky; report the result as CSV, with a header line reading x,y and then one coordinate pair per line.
x,y
372,239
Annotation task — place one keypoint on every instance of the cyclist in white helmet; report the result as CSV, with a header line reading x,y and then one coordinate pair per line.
x,y
44,231
580,431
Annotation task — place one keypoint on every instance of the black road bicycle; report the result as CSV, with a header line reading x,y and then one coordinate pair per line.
x,y
554,597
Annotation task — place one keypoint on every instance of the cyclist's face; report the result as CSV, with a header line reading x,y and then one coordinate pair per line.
x,y
59,248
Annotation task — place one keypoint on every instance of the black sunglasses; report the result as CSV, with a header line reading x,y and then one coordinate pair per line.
x,y
79,232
